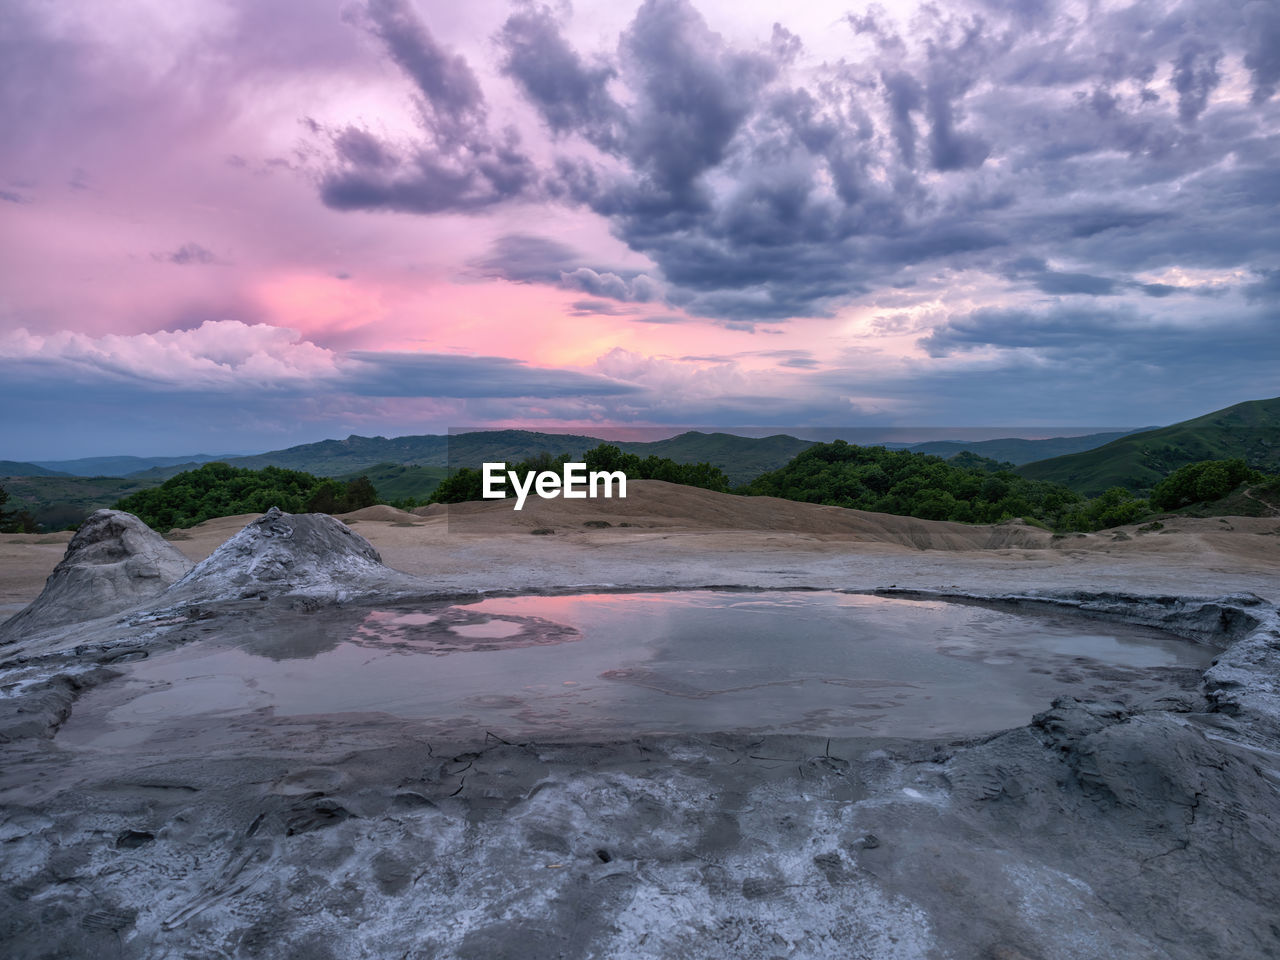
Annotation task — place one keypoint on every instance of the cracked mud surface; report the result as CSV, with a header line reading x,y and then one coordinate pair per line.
x,y
1123,826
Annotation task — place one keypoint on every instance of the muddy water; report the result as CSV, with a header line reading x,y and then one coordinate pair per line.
x,y
623,664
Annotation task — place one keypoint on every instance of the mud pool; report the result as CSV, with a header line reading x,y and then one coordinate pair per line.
x,y
569,667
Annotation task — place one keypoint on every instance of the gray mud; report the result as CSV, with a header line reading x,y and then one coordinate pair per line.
x,y
1129,826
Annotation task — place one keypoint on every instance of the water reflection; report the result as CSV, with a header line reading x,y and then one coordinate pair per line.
x,y
609,664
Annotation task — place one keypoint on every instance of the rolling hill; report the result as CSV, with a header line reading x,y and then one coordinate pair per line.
x,y
339,458
1249,430
742,458
1017,450
121,466
19,468
400,481
61,501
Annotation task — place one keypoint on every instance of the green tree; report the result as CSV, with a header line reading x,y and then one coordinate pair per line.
x,y
16,521
466,483
1202,482
965,490
219,490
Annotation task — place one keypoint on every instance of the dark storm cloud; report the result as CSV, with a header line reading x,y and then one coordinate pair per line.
x,y
454,105
389,374
524,258
1098,140
1266,289
459,164
1111,338
637,289
598,308
694,93
904,96
1195,74
1262,47
571,95
1035,271
1062,329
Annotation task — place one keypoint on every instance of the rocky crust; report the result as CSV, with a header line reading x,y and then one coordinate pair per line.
x,y
114,562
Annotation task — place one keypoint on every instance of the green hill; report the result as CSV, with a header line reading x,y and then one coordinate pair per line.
x,y
741,458
1016,450
1250,431
401,481
337,458
122,466
217,490
18,468
61,501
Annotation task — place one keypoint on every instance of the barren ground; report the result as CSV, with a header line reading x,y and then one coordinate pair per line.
x,y
1100,829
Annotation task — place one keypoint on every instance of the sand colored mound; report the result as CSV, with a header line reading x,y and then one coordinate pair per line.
x,y
656,504
380,512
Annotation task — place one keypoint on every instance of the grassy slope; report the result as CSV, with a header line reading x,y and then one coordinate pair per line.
x,y
1249,430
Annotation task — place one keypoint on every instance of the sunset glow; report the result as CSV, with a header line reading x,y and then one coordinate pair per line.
x,y
676,212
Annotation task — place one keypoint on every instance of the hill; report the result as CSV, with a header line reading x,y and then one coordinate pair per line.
x,y
19,468
1017,450
120,466
741,458
339,458
401,481
1250,431
61,501
217,490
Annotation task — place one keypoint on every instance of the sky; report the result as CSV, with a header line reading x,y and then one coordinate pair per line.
x,y
236,225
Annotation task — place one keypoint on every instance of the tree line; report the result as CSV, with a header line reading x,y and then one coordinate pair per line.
x,y
16,521
466,483
965,488
219,490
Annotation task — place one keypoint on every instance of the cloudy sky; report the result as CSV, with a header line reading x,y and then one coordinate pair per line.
x,y
234,225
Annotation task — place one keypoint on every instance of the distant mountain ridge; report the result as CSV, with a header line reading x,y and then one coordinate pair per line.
x,y
742,458
118,466
1249,430
21,468
1017,450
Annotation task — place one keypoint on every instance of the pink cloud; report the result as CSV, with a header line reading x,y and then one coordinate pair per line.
x,y
218,353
